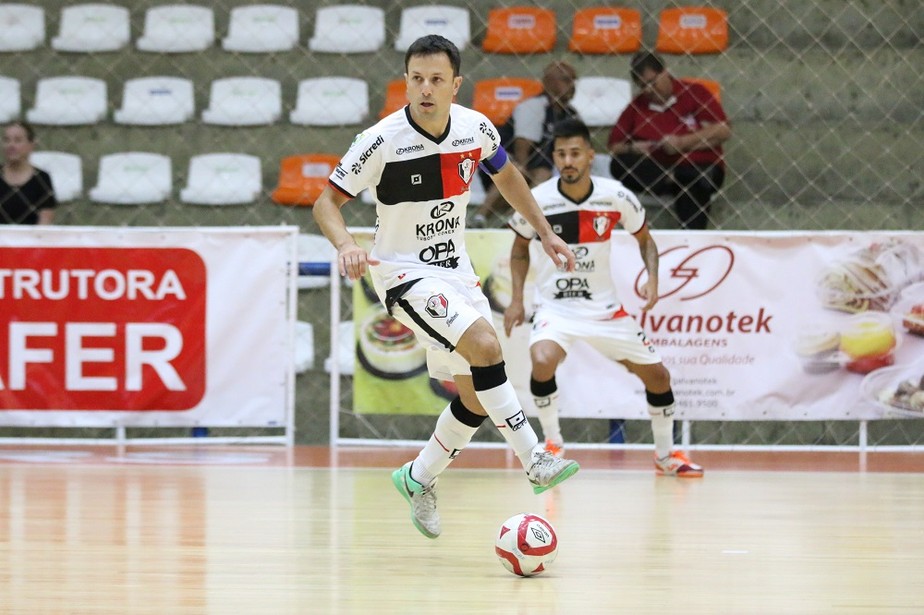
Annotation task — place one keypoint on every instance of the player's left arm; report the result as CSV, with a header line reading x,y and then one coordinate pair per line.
x,y
513,187
649,252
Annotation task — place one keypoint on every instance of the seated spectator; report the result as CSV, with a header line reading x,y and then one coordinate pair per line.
x,y
669,141
528,135
26,193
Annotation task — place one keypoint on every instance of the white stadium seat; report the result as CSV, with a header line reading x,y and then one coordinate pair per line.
x,y
92,27
10,99
155,101
243,101
262,28
313,248
133,178
66,172
331,101
177,28
22,27
600,100
69,101
222,179
348,28
453,22
304,346
601,165
346,352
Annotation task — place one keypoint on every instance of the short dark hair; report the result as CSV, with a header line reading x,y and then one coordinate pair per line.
x,y
642,61
433,44
30,131
571,127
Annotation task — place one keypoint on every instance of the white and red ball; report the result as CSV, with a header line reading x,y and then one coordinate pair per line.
x,y
526,544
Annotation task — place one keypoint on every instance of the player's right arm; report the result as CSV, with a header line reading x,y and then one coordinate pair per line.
x,y
515,314
351,258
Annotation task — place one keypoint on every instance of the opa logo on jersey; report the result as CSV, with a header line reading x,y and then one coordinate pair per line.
x,y
692,274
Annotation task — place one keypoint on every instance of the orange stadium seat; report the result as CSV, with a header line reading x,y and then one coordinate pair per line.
x,y
713,86
520,29
496,98
606,29
395,97
303,177
692,29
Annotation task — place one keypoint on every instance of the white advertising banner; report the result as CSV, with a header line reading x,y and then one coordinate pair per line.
x,y
146,326
770,326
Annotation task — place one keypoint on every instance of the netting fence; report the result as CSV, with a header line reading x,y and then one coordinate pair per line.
x,y
825,100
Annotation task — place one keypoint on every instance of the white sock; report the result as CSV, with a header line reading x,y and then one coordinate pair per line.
x,y
499,399
449,437
547,409
662,429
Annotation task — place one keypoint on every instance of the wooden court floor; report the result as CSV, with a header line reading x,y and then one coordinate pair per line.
x,y
254,530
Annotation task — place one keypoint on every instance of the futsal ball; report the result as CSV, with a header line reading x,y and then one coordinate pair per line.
x,y
526,544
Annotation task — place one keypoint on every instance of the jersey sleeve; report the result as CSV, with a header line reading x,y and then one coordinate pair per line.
x,y
633,214
493,154
361,166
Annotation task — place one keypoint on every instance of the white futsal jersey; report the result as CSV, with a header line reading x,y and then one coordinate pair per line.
x,y
420,185
587,292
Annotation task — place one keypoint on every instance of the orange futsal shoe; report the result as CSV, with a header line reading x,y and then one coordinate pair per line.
x,y
555,450
679,465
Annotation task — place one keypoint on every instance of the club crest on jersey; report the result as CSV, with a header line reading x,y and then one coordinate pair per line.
x,y
437,306
467,170
601,225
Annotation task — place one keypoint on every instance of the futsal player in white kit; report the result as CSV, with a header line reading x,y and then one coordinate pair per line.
x,y
583,305
418,163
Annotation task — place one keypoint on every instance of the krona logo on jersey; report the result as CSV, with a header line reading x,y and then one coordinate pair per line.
x,y
102,329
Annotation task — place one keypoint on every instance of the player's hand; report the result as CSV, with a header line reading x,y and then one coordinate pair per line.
x,y
514,315
558,251
354,261
649,292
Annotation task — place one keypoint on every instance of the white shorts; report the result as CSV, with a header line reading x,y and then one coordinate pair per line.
x,y
619,339
439,311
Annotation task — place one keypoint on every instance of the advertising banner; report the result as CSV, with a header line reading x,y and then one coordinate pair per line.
x,y
752,326
157,327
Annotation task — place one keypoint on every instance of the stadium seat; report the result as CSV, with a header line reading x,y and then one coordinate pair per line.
x,y
395,97
304,346
606,29
331,101
693,30
10,99
92,27
22,27
600,100
66,172
133,178
348,28
154,101
346,349
177,28
243,101
713,86
313,248
520,29
496,98
302,178
260,28
601,165
69,101
453,22
222,179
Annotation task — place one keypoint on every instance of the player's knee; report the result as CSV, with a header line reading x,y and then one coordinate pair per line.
x,y
479,344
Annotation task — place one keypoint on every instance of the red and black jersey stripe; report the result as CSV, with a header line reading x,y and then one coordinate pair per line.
x,y
583,226
427,178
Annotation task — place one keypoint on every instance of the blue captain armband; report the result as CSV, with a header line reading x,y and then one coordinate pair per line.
x,y
495,163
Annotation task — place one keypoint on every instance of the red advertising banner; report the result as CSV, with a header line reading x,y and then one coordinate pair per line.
x,y
102,328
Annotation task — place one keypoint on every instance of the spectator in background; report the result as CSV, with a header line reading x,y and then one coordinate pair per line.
x,y
528,134
26,193
669,141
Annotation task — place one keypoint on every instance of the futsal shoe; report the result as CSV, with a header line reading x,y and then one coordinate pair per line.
x,y
679,465
547,471
555,450
422,500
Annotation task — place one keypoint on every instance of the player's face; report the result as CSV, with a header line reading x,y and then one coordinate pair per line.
x,y
16,144
573,157
431,86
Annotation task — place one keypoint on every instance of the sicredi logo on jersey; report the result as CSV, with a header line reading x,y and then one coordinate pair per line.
x,y
102,329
